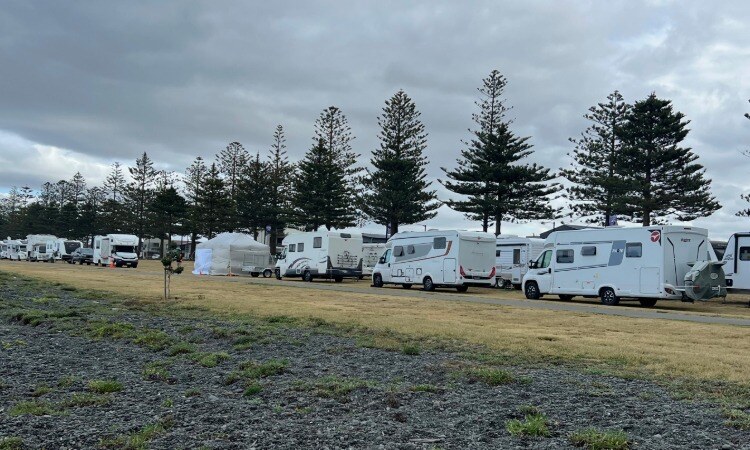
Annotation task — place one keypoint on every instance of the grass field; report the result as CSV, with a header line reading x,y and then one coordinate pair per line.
x,y
649,347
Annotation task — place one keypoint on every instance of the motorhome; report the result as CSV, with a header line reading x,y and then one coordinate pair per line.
x,y
321,254
63,248
641,263
39,247
4,249
118,248
512,256
371,253
17,250
457,259
737,262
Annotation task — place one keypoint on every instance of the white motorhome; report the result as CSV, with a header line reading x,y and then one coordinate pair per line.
x,y
321,254
371,253
512,256
17,250
120,248
5,249
62,248
433,259
39,247
642,263
737,262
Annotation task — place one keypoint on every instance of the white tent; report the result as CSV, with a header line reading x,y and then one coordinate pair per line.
x,y
227,253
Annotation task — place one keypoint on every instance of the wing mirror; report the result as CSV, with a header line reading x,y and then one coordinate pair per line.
x,y
532,264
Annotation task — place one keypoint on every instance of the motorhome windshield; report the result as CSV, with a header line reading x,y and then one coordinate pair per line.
x,y
70,246
123,249
22,248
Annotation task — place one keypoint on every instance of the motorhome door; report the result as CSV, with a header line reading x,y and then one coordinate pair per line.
x,y
449,270
543,271
742,263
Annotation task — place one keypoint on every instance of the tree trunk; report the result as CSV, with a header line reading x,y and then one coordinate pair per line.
x,y
272,240
498,224
193,238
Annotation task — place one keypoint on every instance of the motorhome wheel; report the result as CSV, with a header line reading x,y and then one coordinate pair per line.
x,y
254,274
462,288
338,279
267,273
427,284
532,291
648,302
406,286
377,280
608,297
566,297
307,276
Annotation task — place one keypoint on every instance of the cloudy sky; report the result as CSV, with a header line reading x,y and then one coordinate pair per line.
x,y
87,83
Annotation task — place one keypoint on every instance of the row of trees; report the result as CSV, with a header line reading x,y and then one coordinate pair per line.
x,y
628,163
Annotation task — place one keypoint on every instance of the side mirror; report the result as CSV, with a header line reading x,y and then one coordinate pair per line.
x,y
381,260
532,264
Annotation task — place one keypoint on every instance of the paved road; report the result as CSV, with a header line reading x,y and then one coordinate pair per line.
x,y
637,313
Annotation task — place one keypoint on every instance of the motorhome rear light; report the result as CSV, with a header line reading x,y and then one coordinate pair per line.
x,y
492,272
461,271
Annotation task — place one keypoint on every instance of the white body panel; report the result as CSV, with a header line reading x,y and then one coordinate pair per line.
x,y
121,248
5,249
324,254
448,258
512,256
371,253
17,250
737,258
38,246
62,248
642,262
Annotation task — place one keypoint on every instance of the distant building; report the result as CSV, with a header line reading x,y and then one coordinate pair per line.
x,y
565,227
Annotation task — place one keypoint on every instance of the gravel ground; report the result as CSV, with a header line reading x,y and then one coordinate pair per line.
x,y
324,391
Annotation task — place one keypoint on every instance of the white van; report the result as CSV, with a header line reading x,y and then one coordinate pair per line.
x,y
437,259
643,263
371,253
121,248
512,256
321,254
62,248
737,262
39,248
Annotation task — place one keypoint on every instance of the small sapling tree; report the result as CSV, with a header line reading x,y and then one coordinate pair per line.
x,y
172,257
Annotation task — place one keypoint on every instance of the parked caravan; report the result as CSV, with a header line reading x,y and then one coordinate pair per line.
x,y
62,248
5,249
437,259
371,253
321,254
17,250
39,247
512,256
737,262
643,263
121,248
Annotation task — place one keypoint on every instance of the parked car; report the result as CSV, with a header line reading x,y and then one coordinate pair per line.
x,y
82,255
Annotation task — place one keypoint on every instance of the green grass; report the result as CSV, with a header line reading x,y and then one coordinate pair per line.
x,y
490,375
181,348
431,388
593,439
210,359
338,388
139,440
252,388
167,403
192,392
113,330
66,381
104,386
534,425
410,349
156,371
252,370
737,418
155,340
244,342
34,408
11,443
40,390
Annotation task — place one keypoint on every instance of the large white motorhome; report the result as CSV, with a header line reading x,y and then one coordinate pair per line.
x,y
512,256
5,249
17,250
321,254
62,248
371,253
39,247
737,262
433,259
642,263
119,248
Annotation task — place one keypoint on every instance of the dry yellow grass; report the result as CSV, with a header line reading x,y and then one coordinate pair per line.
x,y
659,347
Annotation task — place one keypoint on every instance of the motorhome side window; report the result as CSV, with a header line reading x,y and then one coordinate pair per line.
x,y
318,242
497,253
410,249
292,248
744,253
588,250
301,247
439,243
398,251
633,250
346,235
516,256
565,256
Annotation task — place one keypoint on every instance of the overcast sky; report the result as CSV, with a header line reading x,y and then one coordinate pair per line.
x,y
84,84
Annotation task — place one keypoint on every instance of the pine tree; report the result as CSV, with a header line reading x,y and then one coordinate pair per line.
x,y
280,191
599,186
322,196
138,195
90,214
252,197
746,197
114,184
232,161
212,204
665,179
397,190
492,176
193,180
168,212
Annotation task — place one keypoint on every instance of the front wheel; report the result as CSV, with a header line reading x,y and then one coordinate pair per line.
x,y
648,302
338,279
428,285
377,280
307,276
608,297
532,291
462,288
267,273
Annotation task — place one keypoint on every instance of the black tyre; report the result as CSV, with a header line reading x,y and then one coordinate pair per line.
x,y
608,297
134,265
428,285
406,286
254,274
267,273
88,263
462,288
307,276
377,280
532,291
338,279
648,302
566,297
